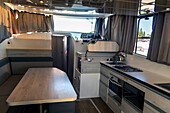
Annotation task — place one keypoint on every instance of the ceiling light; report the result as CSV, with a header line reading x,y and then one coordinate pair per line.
x,y
41,2
19,5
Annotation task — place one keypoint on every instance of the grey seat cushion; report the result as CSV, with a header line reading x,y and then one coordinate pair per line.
x,y
8,86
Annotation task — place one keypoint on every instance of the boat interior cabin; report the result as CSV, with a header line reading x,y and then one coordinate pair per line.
x,y
84,56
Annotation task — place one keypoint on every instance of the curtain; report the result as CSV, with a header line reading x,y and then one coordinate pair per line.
x,y
122,29
119,7
27,22
5,22
159,49
107,34
100,26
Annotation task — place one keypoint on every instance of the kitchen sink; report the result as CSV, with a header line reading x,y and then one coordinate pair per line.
x,y
164,85
126,68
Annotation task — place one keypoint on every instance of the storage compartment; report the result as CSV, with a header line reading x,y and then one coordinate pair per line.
x,y
86,89
127,107
115,107
104,79
103,91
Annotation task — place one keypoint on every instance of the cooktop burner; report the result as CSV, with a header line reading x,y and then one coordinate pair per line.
x,y
128,69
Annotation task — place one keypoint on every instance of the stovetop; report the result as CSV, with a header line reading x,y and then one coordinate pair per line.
x,y
126,68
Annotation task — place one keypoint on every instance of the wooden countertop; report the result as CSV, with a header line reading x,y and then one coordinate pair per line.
x,y
42,85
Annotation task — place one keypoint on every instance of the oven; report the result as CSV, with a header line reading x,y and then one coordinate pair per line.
x,y
116,88
134,95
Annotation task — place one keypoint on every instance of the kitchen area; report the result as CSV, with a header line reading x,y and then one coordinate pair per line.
x,y
126,83
133,90
84,56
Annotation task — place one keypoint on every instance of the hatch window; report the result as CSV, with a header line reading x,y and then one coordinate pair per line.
x,y
144,35
70,24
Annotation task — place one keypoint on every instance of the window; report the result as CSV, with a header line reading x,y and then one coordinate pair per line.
x,y
144,35
68,24
147,6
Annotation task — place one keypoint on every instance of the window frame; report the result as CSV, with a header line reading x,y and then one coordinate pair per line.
x,y
137,37
76,18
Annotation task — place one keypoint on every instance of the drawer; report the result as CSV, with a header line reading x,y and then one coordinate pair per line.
x,y
104,79
114,106
127,107
105,71
103,92
149,109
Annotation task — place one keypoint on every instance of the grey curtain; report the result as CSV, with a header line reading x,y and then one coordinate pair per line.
x,y
161,5
159,49
5,22
27,22
123,31
99,26
107,34
119,7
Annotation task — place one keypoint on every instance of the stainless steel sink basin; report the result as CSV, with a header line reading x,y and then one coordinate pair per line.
x,y
164,85
126,68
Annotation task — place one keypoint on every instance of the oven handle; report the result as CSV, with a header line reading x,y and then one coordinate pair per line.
x,y
115,83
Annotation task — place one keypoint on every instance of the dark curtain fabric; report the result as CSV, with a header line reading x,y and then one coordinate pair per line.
x,y
159,49
5,22
100,26
27,22
107,34
120,7
122,29
161,5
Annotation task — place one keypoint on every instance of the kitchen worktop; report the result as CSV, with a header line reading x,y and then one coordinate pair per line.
x,y
93,54
147,78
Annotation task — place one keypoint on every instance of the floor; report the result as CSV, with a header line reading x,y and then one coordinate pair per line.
x,y
5,90
94,105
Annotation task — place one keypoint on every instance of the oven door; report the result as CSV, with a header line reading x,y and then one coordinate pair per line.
x,y
116,91
134,95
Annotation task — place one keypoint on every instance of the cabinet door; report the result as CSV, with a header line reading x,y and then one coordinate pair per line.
x,y
103,91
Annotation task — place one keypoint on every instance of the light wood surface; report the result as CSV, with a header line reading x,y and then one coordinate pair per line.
x,y
105,46
42,85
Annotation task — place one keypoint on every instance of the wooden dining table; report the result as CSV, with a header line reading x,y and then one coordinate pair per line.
x,y
42,85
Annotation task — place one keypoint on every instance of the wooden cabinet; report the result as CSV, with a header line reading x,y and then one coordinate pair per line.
x,y
113,105
127,107
104,84
86,84
103,91
154,101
